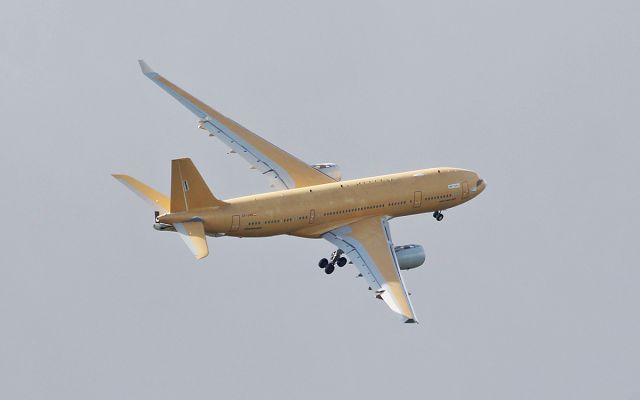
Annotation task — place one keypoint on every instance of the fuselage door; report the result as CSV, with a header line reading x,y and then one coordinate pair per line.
x,y
465,190
312,216
235,223
417,199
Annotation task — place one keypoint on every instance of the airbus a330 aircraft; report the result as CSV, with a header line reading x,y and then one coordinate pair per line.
x,y
312,202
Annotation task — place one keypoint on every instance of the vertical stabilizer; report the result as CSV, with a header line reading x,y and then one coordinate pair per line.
x,y
188,190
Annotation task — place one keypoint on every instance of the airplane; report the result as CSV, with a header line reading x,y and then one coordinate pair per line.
x,y
310,201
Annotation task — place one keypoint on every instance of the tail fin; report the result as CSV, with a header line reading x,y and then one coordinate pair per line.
x,y
188,189
154,198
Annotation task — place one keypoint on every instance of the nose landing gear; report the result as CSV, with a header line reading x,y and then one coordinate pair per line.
x,y
438,215
335,258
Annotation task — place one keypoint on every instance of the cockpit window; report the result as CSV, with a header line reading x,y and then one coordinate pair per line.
x,y
480,181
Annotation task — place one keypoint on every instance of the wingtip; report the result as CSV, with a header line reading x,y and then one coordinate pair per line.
x,y
146,69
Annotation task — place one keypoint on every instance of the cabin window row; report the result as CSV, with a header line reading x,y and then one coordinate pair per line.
x,y
353,210
275,221
443,196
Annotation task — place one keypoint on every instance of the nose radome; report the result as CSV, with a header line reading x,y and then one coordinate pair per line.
x,y
481,185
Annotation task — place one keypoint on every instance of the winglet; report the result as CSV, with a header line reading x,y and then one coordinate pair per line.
x,y
146,69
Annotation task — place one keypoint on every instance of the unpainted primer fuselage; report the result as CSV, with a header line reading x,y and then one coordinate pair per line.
x,y
312,211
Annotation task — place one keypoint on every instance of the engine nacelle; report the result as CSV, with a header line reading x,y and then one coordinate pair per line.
x,y
410,256
331,170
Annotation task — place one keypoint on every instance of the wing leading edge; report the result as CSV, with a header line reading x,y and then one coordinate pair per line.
x,y
368,245
283,170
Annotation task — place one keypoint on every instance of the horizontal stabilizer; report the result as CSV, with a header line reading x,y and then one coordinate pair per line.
x,y
154,198
193,235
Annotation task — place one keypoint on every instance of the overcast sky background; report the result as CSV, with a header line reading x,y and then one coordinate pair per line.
x,y
531,291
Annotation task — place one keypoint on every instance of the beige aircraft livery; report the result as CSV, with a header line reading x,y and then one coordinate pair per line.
x,y
310,201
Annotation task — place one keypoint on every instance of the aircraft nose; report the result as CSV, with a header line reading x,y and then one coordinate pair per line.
x,y
481,184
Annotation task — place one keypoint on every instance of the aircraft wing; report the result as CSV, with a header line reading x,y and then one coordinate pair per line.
x,y
283,170
368,245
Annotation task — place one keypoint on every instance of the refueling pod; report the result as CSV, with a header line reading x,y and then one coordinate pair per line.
x,y
410,256
331,170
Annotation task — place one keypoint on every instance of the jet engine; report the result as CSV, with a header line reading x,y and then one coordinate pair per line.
x,y
410,256
331,170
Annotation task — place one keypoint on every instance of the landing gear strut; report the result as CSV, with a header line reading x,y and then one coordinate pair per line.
x,y
438,215
335,258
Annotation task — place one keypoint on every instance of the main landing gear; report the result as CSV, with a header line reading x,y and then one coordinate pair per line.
x,y
329,265
438,215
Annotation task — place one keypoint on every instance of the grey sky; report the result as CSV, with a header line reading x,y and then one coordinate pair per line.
x,y
531,291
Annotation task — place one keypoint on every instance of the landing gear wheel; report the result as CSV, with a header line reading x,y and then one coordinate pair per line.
x,y
439,217
323,263
342,262
329,269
